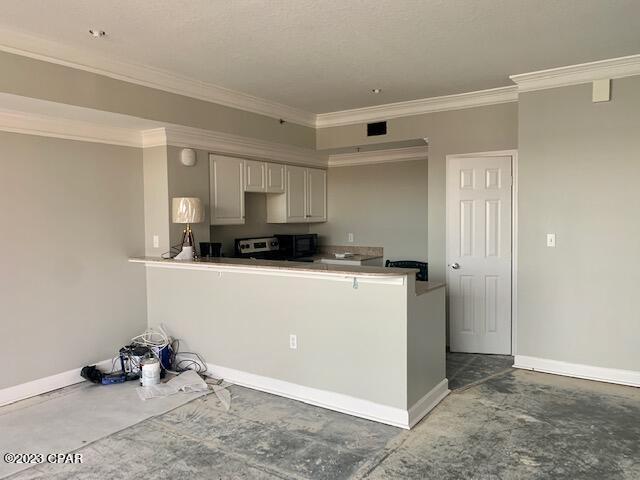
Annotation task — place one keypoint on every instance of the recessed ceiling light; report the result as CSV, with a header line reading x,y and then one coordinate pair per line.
x,y
376,90
95,33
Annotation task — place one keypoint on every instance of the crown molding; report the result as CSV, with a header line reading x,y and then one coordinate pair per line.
x,y
60,54
225,143
41,125
417,107
577,74
378,156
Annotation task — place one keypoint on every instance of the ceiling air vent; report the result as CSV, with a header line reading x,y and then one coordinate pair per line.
x,y
377,128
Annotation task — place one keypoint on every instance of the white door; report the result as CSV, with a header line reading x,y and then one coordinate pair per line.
x,y
296,178
227,190
316,195
479,253
254,176
275,178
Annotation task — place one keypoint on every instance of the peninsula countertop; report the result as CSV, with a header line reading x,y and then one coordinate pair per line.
x,y
283,265
355,270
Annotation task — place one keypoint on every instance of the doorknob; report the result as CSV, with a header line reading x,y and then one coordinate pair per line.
x,y
455,266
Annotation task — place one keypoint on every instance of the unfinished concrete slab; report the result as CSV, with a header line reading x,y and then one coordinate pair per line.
x,y
515,425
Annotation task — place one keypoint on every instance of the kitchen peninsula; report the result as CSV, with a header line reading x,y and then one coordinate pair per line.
x,y
367,341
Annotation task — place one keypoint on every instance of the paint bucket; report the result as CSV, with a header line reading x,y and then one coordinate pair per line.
x,y
150,372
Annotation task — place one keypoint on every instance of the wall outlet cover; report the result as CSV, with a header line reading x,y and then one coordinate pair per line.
x,y
551,239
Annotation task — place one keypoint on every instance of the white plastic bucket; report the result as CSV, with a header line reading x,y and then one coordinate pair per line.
x,y
150,372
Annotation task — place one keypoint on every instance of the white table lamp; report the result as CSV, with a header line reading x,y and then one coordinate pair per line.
x,y
187,210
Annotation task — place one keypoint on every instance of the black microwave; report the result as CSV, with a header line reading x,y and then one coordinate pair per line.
x,y
298,246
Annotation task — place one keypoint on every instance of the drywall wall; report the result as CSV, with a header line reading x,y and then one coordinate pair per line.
x,y
26,76
579,167
488,128
188,182
355,344
383,205
255,207
156,206
72,214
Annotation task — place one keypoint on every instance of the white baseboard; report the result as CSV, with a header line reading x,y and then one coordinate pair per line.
x,y
46,384
428,402
588,372
339,402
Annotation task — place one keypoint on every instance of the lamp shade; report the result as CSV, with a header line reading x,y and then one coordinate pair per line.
x,y
187,210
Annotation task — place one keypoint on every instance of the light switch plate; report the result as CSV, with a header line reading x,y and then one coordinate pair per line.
x,y
156,241
551,239
350,237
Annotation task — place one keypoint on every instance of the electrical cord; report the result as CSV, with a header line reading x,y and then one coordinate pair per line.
x,y
173,251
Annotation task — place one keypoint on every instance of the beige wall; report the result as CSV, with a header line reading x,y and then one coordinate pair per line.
x,y
579,170
383,205
255,224
156,206
188,182
470,130
47,81
72,213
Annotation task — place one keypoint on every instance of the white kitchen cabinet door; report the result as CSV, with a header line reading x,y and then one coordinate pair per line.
x,y
254,176
296,188
316,195
227,190
275,178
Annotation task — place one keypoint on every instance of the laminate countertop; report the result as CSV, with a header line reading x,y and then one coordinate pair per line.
x,y
282,265
355,270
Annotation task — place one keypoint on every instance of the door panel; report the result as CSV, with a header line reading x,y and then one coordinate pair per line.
x,y
254,176
275,178
296,193
316,195
479,253
227,190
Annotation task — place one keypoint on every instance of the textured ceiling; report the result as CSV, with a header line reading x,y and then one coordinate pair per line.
x,y
326,55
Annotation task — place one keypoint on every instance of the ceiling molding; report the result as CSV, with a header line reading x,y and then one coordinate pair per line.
x,y
41,49
378,156
41,125
216,142
417,107
224,143
577,74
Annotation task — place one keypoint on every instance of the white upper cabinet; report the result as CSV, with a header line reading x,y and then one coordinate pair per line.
x,y
316,200
254,176
304,200
226,190
275,178
295,192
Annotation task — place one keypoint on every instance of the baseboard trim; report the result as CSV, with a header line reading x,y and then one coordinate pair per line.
x,y
338,402
600,374
46,384
428,402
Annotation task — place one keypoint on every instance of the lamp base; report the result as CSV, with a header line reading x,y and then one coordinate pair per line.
x,y
187,254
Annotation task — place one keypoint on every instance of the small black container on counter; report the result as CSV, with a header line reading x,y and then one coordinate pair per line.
x,y
210,249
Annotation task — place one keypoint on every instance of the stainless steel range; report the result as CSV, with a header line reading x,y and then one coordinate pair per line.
x,y
263,247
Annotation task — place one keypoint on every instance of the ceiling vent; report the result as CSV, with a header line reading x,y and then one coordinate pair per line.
x,y
377,128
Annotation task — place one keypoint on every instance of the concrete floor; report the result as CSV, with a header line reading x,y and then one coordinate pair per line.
x,y
515,424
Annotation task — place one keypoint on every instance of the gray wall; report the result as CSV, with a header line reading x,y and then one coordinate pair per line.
x,y
156,206
255,224
470,130
72,214
26,76
188,182
579,171
383,205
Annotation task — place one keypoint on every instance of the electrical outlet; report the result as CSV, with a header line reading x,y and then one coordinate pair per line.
x,y
293,342
156,241
350,237
551,239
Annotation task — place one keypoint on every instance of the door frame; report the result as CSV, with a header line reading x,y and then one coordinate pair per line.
x,y
514,230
